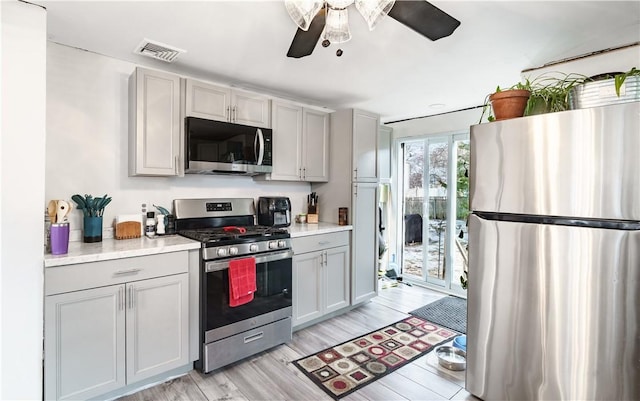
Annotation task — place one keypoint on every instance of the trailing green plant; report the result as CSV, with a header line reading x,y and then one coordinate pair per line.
x,y
90,206
620,78
550,93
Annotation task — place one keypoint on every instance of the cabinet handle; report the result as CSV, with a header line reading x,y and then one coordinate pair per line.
x,y
120,299
324,242
253,337
355,173
304,173
130,298
300,172
235,113
124,272
228,113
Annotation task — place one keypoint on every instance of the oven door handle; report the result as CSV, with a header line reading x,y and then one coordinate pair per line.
x,y
271,257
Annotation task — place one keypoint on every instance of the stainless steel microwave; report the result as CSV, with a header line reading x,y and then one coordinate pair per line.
x,y
216,147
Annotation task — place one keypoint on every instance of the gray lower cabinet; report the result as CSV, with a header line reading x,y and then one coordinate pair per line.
x,y
98,340
321,270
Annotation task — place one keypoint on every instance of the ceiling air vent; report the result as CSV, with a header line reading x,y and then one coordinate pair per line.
x,y
158,50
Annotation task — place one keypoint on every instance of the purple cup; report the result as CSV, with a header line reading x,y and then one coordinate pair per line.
x,y
59,238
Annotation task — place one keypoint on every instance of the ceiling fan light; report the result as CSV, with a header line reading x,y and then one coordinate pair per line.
x,y
302,12
339,4
337,26
373,11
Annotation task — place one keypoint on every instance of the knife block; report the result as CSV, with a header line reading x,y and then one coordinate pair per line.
x,y
312,214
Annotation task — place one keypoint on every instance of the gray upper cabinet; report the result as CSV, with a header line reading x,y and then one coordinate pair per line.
x,y
218,103
315,141
365,143
300,144
154,123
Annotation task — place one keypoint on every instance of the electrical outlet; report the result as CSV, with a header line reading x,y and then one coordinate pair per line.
x,y
107,232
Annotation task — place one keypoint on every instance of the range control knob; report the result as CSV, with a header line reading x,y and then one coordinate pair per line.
x,y
233,250
281,244
222,252
254,248
273,244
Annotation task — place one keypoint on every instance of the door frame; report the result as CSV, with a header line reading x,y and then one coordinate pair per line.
x,y
448,284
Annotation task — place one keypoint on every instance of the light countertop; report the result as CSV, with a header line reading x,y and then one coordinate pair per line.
x,y
107,249
304,229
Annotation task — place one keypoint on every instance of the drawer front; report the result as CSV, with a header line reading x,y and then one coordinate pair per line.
x,y
318,242
231,349
82,276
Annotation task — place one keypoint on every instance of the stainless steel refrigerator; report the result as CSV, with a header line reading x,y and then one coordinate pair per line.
x,y
554,257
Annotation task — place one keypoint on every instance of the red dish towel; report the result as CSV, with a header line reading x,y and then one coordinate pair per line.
x,y
242,281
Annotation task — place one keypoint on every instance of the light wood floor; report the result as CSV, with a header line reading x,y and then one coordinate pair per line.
x,y
271,376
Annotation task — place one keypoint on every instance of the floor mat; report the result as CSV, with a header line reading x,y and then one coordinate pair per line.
x,y
450,312
342,369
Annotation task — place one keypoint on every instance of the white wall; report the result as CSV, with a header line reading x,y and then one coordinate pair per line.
x,y
87,131
621,60
22,152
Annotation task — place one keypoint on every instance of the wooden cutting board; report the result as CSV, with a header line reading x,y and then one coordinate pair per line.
x,y
128,229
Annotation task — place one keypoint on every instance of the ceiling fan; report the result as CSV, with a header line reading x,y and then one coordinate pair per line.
x,y
315,17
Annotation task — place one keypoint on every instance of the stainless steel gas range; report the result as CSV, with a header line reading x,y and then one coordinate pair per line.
x,y
227,230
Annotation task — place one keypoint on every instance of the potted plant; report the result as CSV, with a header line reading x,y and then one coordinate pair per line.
x,y
550,93
605,89
93,209
553,92
508,103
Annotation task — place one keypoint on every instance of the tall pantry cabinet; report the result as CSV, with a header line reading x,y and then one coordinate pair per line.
x,y
353,183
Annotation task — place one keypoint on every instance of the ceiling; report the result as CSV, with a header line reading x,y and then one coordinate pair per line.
x,y
391,70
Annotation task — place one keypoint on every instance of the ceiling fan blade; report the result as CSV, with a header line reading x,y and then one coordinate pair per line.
x,y
424,18
305,41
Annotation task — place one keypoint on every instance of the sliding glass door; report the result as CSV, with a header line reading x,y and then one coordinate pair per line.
x,y
434,209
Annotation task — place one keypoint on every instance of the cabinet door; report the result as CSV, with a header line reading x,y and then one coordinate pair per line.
x,y
157,326
287,142
207,101
384,152
364,263
250,109
154,137
315,127
365,146
336,278
84,343
307,287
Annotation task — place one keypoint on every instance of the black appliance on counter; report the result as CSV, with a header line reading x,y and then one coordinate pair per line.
x,y
274,211
226,228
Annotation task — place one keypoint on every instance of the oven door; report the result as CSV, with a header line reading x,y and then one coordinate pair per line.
x,y
272,299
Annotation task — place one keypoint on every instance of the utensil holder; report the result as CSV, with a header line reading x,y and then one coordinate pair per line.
x,y
59,238
92,229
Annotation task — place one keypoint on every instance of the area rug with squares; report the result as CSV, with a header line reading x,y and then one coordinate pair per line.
x,y
342,369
